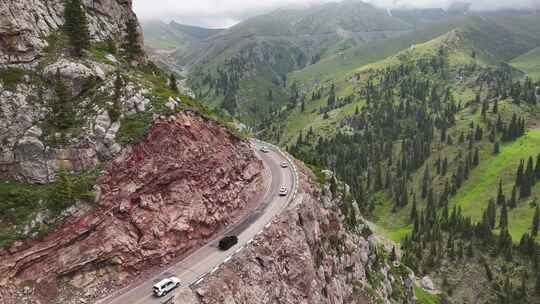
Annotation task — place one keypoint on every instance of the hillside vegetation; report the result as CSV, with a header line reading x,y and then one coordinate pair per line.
x,y
529,63
430,140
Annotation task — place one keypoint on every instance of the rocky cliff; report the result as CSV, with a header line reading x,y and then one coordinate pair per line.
x,y
308,256
187,179
33,57
26,24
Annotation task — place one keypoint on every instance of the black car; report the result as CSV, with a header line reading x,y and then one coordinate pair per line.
x,y
227,242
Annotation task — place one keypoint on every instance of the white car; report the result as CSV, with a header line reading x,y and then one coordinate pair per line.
x,y
165,286
284,164
265,149
283,191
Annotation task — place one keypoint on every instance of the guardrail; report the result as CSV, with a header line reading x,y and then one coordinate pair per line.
x,y
292,197
167,300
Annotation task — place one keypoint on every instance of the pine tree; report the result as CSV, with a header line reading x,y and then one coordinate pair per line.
x,y
500,196
535,222
76,26
476,159
503,221
496,148
425,182
172,83
393,255
132,46
115,111
444,166
62,112
414,211
491,214
62,194
513,199
537,168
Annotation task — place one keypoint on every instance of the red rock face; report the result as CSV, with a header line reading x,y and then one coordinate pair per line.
x,y
160,198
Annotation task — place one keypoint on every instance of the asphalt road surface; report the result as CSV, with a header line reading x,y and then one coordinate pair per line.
x,y
193,268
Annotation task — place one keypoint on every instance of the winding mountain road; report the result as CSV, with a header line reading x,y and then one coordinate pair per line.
x,y
208,258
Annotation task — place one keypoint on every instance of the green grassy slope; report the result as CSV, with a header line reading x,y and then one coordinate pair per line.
x,y
473,51
473,195
529,63
501,38
340,65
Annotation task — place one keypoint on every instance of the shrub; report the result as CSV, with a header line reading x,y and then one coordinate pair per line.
x,y
10,77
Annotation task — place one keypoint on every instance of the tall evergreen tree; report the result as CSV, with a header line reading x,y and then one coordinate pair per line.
x,y
115,111
425,181
172,83
513,199
535,222
496,148
76,26
537,168
476,158
132,46
503,220
500,195
414,211
62,114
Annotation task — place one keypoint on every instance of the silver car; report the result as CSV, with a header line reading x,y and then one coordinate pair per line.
x,y
283,191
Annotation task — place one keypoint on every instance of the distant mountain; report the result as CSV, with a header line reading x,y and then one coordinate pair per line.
x,y
244,68
161,35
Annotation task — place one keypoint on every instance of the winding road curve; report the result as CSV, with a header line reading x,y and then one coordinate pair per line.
x,y
193,269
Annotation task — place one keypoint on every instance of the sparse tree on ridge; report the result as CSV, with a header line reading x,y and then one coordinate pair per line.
x,y
132,46
172,83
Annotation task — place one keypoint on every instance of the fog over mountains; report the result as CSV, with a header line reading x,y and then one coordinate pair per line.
x,y
218,13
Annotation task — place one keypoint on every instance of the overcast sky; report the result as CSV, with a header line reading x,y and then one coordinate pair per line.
x,y
224,13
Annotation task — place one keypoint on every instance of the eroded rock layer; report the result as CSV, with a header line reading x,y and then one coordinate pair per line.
x,y
160,198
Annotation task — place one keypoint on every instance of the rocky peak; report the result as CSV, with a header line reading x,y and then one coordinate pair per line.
x,y
26,24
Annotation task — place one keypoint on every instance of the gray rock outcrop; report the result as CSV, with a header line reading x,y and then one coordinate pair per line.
x,y
25,25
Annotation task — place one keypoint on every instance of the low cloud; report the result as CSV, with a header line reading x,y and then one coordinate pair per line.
x,y
224,13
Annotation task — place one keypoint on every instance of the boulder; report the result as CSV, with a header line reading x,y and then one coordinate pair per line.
x,y
427,283
77,75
